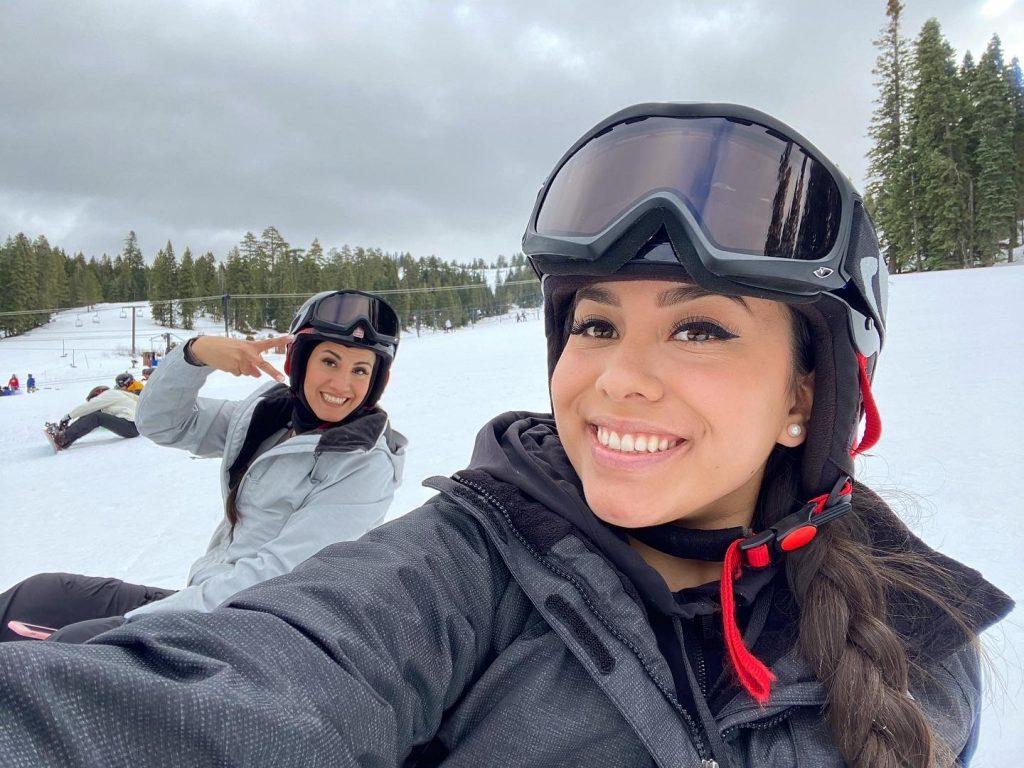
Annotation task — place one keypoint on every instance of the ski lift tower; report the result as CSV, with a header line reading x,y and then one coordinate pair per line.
x,y
132,309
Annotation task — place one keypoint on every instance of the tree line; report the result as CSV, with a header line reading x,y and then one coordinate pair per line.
x,y
424,291
947,160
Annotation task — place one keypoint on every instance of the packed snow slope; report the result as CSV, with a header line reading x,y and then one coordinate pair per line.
x,y
949,388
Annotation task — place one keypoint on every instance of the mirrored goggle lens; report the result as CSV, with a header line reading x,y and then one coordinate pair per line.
x,y
749,189
344,309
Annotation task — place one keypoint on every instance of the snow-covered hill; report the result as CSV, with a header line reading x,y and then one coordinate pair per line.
x,y
949,388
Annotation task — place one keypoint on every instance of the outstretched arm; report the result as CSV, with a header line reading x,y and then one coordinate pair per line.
x,y
351,659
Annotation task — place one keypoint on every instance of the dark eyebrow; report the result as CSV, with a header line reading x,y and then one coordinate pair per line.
x,y
690,291
339,358
680,293
600,295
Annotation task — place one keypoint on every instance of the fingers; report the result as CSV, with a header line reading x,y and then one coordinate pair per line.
x,y
276,341
270,370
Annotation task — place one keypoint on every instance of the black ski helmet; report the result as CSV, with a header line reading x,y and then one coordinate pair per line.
x,y
349,317
124,380
604,212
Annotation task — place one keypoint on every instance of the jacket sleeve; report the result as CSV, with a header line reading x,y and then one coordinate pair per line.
x,y
171,413
949,693
351,659
343,511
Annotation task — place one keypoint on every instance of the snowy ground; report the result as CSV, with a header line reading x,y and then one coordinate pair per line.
x,y
949,388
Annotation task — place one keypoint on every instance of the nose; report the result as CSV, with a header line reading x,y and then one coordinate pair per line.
x,y
631,372
343,383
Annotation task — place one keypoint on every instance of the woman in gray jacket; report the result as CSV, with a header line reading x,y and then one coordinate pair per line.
x,y
675,568
304,465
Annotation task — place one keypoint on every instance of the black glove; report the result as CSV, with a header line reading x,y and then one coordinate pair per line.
x,y
63,424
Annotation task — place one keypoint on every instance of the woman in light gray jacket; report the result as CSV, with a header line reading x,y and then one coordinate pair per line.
x,y
305,464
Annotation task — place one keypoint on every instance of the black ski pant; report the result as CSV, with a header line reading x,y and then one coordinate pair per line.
x,y
61,599
83,426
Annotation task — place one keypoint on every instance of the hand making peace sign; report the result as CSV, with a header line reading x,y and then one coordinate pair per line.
x,y
237,357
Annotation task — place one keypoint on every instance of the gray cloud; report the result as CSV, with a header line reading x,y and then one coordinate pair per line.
x,y
408,125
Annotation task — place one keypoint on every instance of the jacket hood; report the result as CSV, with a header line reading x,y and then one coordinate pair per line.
x,y
522,455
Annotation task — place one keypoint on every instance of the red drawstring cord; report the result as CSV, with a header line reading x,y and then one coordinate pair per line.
x,y
753,675
873,423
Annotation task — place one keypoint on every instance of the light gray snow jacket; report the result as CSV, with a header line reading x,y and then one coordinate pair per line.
x,y
477,630
296,498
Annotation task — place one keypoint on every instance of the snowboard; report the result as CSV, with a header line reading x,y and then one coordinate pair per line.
x,y
50,430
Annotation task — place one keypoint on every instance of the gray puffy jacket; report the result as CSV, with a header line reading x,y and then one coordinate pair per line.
x,y
474,631
296,497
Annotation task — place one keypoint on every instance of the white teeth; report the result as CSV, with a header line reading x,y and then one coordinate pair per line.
x,y
334,400
629,443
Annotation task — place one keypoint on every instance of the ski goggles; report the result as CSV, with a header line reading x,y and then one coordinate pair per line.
x,y
750,207
353,317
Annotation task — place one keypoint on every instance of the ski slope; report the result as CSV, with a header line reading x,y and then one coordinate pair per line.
x,y
949,388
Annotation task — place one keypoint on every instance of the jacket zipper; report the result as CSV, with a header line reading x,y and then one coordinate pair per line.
x,y
707,760
760,725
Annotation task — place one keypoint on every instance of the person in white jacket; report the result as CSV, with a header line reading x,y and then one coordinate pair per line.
x,y
305,464
112,409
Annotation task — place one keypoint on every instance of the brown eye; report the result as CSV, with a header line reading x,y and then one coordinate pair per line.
x,y
593,328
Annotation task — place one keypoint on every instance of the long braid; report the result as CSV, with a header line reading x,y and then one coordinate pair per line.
x,y
840,585
854,653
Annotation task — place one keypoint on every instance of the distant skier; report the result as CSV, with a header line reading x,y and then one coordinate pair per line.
x,y
13,383
447,326
30,385
113,409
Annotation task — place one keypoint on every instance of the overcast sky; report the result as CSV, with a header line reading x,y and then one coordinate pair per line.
x,y
415,126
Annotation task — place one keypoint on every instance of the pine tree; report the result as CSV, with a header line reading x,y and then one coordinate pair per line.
x,y
994,156
889,189
163,285
186,288
133,278
935,153
1015,83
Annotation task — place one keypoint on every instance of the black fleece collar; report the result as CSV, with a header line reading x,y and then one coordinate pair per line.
x,y
277,410
519,458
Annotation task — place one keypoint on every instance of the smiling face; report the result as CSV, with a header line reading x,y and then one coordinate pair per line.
x,y
668,401
337,379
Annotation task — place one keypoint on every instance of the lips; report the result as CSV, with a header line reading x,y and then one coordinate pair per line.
x,y
333,400
632,446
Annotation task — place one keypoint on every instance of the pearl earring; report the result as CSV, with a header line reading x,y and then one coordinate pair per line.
x,y
795,430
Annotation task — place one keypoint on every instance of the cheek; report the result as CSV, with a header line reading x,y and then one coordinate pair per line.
x,y
572,377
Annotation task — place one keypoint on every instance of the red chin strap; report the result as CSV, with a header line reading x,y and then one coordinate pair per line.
x,y
759,551
873,421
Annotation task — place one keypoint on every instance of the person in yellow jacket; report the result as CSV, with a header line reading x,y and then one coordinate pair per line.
x,y
128,383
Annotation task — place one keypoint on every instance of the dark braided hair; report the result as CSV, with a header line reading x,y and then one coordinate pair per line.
x,y
841,585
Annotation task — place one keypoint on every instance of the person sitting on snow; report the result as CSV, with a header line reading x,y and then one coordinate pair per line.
x,y
113,409
13,383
